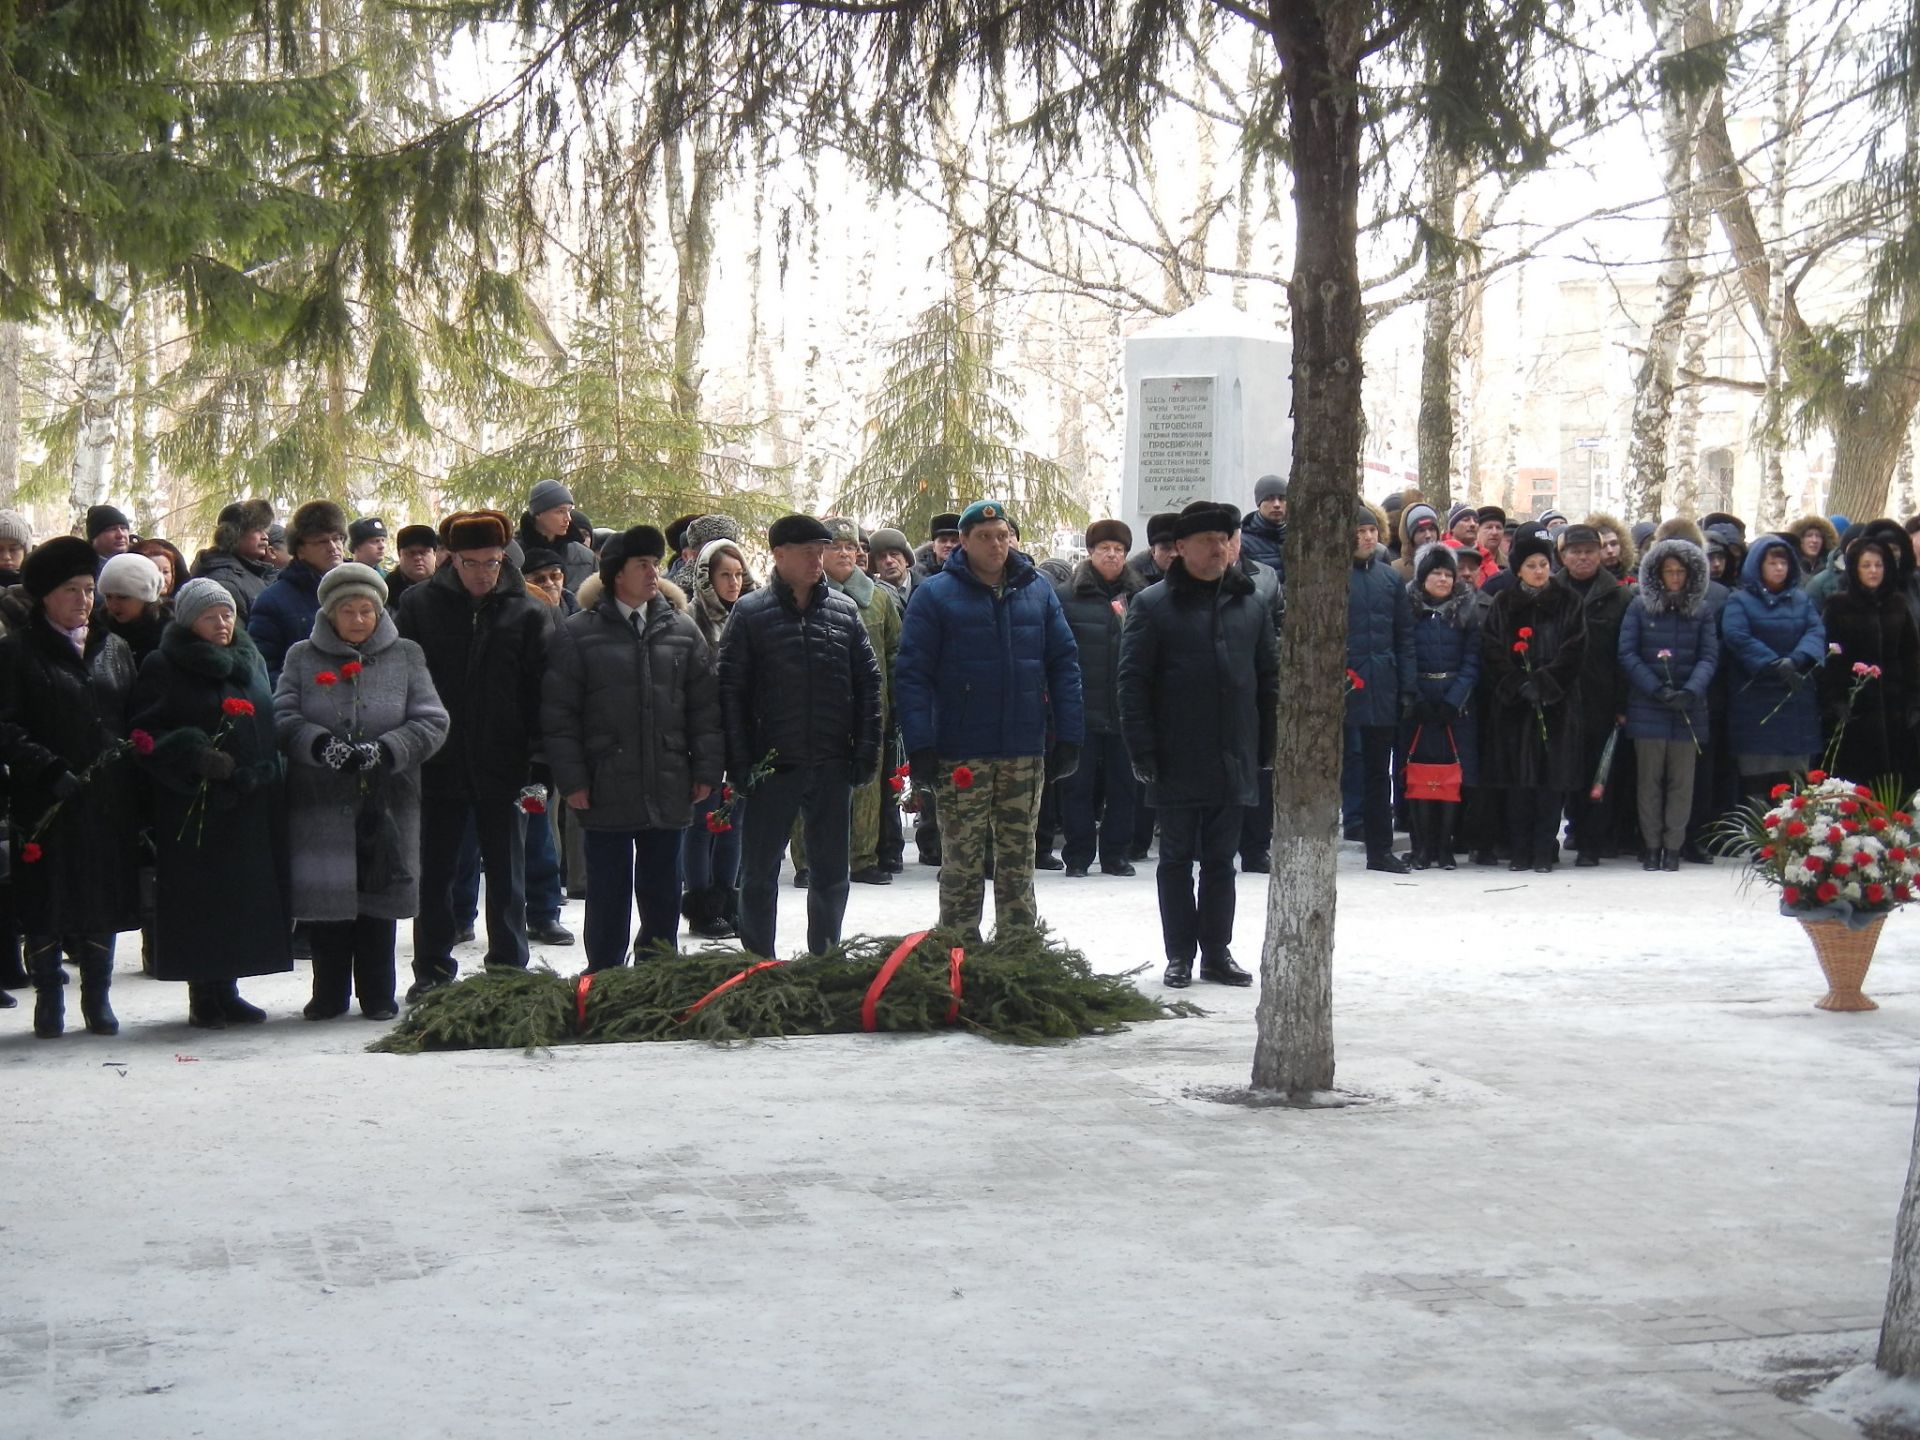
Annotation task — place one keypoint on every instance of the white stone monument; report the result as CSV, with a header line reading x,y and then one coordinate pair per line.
x,y
1209,396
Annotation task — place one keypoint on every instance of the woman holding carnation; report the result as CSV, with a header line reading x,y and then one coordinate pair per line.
x,y
1532,643
1772,640
357,715
64,683
1869,686
710,856
1446,645
1669,651
219,822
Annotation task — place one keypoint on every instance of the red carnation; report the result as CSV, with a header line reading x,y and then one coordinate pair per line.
x,y
142,742
1900,817
1863,792
1791,894
1796,828
1876,823
1835,835
1773,818
1799,802
1766,852
1840,870
1849,807
1355,679
1852,827
1814,862
1778,791
1520,647
1897,855
1814,777
325,678
896,784
30,853
1876,893
351,669
1902,891
1827,893
962,778
717,826
234,705
534,805
1525,632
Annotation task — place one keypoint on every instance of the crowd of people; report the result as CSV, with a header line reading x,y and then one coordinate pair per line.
x,y
312,732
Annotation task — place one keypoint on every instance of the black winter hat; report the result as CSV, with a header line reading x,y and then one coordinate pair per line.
x,y
1578,535
104,517
1160,527
1434,556
51,565
943,525
1528,540
635,544
797,530
1109,530
412,537
314,520
370,527
1204,517
538,559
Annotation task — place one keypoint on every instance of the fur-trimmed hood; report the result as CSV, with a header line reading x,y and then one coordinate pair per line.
x,y
1654,596
1829,537
590,593
1411,514
1629,553
1681,528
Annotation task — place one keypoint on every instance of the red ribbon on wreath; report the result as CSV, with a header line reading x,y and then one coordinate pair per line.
x,y
726,985
580,988
955,960
869,1008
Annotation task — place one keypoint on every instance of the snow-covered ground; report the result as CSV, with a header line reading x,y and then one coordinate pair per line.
x,y
1616,1178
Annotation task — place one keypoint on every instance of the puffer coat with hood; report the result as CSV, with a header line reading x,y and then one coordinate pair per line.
x,y
1680,626
1758,627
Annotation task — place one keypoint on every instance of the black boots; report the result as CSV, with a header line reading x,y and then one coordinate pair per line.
x,y
50,1009
709,913
1670,860
216,1004
96,979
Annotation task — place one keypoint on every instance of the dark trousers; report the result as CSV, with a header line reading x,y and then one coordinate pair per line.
x,y
1256,826
1483,819
1096,804
707,860
893,840
1046,828
1144,821
1533,823
625,868
1374,774
1210,835
926,829
542,874
501,835
353,957
821,796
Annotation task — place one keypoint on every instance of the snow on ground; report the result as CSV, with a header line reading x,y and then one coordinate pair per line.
x,y
1610,1144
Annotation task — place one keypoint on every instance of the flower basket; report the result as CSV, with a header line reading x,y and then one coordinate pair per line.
x,y
1845,953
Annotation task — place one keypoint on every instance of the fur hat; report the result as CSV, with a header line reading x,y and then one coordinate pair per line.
x,y
637,543
413,537
539,559
797,530
369,527
1109,530
130,577
196,597
676,532
840,529
1204,517
316,520
706,530
1432,556
344,582
101,518
61,559
1529,540
1678,528
241,518
476,530
1160,527
943,525
1269,487
1490,512
1731,522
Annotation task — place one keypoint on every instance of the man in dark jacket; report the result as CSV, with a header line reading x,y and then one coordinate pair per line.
x,y
547,524
943,538
238,558
416,557
485,640
800,701
1151,563
1199,695
631,723
1380,654
1602,698
1096,801
986,669
283,615
1263,533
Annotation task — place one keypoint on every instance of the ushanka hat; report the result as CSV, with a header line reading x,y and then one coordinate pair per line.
x,y
1528,541
61,559
641,542
416,537
1160,527
841,530
1103,530
1204,517
476,530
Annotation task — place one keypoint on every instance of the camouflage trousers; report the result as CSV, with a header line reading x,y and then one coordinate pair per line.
x,y
994,816
863,845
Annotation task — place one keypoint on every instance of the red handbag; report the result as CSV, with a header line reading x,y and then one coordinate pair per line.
x,y
1434,782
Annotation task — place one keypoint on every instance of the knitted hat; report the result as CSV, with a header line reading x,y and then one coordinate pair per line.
x,y
1642,533
548,495
372,527
980,512
1434,556
943,525
1459,513
316,520
1102,530
840,529
1204,517
14,527
414,537
1395,502
1548,516
638,543
196,597
706,530
476,530
1269,487
130,577
1417,514
1160,527
797,530
277,536
887,538
56,562
1490,512
345,582
1365,515
105,517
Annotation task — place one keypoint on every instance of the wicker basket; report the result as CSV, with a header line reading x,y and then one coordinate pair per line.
x,y
1844,957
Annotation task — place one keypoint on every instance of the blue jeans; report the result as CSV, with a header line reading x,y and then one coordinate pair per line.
x,y
625,867
542,874
709,861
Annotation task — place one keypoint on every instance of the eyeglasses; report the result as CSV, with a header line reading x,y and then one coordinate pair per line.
x,y
467,564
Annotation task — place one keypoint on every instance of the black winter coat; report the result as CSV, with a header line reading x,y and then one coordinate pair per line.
x,y
487,658
632,719
1511,751
803,684
1095,609
1603,683
244,579
1872,627
1200,689
222,894
58,714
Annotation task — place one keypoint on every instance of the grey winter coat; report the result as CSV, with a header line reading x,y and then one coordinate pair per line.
x,y
391,701
634,720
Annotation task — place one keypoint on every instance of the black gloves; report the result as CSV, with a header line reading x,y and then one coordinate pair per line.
x,y
214,764
921,768
1146,769
1406,706
1530,690
1064,760
66,785
1788,674
1443,713
333,752
1663,694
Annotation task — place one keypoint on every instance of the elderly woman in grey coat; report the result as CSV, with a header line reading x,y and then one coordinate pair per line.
x,y
357,715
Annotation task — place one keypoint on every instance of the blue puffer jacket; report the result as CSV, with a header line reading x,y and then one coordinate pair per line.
x,y
1758,627
283,615
1681,623
1379,642
1446,648
978,674
1266,541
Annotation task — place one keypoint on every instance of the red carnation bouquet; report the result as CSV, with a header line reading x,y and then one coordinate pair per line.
x,y
720,818
138,742
1830,846
1522,647
233,708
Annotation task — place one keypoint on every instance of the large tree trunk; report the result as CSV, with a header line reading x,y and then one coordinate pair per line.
x,y
1436,426
11,355
1900,1329
1293,1049
692,186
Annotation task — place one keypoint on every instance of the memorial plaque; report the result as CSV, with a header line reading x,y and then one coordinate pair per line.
x,y
1176,441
